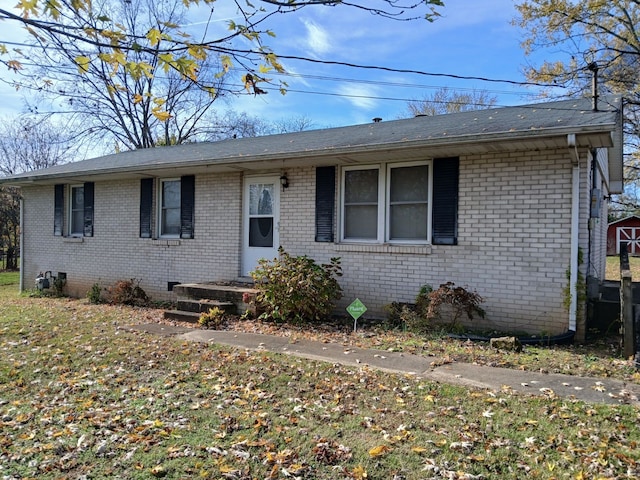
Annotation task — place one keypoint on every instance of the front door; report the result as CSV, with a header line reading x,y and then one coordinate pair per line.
x,y
261,221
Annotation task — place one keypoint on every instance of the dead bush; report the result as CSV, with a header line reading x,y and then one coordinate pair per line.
x,y
128,292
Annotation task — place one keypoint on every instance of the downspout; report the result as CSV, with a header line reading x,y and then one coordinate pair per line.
x,y
592,192
21,237
575,230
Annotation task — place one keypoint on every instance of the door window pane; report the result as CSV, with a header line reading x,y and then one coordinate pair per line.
x,y
261,199
361,204
261,232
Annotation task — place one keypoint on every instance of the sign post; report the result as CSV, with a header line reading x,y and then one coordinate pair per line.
x,y
356,309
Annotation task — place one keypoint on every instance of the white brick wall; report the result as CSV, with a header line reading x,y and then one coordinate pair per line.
x,y
514,231
116,252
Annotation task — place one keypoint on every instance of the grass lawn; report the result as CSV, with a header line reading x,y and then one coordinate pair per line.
x,y
81,397
9,278
613,268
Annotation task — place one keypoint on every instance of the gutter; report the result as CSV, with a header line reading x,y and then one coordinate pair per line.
x,y
193,156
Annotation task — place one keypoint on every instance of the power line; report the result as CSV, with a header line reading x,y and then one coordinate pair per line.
x,y
369,67
366,82
405,70
366,97
390,84
343,95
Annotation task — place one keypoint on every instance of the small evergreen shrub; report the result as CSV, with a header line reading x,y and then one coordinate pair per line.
x,y
128,292
94,295
214,318
296,289
403,316
423,299
58,286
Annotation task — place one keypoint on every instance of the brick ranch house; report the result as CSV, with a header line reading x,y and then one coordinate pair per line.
x,y
498,201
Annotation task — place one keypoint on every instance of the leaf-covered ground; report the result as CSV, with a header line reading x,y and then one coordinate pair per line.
x,y
82,398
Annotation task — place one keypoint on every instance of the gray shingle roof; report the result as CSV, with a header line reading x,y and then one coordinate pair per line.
x,y
482,126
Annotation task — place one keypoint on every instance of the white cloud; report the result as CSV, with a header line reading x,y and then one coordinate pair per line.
x,y
317,38
359,96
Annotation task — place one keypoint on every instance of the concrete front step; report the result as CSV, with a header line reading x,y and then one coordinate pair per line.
x,y
181,316
196,298
204,305
222,292
190,310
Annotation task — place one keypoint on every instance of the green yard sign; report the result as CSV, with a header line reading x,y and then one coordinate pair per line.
x,y
356,309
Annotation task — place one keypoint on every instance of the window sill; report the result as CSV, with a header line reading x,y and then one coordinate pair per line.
x,y
384,248
73,240
166,242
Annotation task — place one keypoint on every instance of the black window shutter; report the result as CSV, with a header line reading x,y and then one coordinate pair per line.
x,y
325,203
146,207
88,190
58,210
187,204
445,201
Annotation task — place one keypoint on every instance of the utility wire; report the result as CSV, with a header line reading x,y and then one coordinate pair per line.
x,y
371,67
390,84
404,70
360,81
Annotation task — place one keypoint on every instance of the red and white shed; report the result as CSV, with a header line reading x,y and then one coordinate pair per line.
x,y
624,230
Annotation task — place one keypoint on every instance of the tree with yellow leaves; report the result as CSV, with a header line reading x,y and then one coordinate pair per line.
x,y
131,74
586,38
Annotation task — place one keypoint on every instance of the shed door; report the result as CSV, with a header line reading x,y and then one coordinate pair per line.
x,y
261,221
631,236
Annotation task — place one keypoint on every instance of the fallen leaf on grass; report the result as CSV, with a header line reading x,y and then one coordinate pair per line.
x,y
158,471
359,473
461,446
379,451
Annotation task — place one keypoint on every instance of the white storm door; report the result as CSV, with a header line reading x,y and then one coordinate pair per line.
x,y
261,212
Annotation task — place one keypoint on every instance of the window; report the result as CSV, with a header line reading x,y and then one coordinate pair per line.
x,y
174,211
361,202
412,203
170,208
386,203
408,203
76,213
79,221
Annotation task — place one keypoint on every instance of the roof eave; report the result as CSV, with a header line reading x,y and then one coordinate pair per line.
x,y
587,136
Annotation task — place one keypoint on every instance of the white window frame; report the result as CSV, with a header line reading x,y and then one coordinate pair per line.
x,y
160,206
391,166
384,209
381,208
71,233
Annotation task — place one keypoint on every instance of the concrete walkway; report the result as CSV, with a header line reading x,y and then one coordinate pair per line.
x,y
593,390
